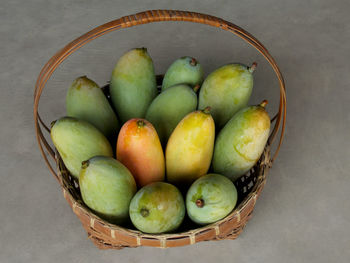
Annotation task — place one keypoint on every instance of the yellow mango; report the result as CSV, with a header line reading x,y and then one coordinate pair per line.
x,y
190,148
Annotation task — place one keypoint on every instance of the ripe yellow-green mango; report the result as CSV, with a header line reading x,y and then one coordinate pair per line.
x,y
107,187
210,198
241,142
226,90
77,141
133,84
170,107
86,101
157,208
185,70
190,148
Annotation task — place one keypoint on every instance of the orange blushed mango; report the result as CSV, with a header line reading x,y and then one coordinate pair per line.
x,y
140,150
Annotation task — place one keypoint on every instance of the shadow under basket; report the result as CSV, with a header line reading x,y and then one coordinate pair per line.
x,y
106,235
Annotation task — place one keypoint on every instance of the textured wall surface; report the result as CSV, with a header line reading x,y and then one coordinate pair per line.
x,y
303,214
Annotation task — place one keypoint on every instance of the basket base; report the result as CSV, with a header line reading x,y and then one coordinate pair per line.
x,y
100,241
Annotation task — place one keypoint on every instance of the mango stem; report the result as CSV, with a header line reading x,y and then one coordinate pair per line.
x,y
207,110
140,123
253,67
85,164
144,212
196,88
193,62
200,203
263,103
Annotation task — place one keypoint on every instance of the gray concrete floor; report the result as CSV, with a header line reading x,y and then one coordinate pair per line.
x,y
303,214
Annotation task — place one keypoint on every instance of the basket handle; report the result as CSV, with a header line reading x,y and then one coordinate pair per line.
x,y
145,18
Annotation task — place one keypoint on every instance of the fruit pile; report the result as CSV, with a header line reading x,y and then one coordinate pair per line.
x,y
198,163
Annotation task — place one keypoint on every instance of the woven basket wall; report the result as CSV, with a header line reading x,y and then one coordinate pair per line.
x,y
106,235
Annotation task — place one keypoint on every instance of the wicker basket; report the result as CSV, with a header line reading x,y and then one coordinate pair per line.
x,y
106,235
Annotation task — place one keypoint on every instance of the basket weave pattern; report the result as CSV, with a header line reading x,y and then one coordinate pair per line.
x,y
106,235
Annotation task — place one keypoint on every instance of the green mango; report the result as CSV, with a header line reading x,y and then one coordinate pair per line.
x,y
226,90
185,70
133,84
170,107
210,198
241,142
86,101
157,208
107,187
76,141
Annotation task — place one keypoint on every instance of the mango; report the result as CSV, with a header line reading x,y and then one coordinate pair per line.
x,y
190,148
133,84
139,149
157,208
241,142
210,198
185,70
86,101
170,107
107,187
76,141
226,90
